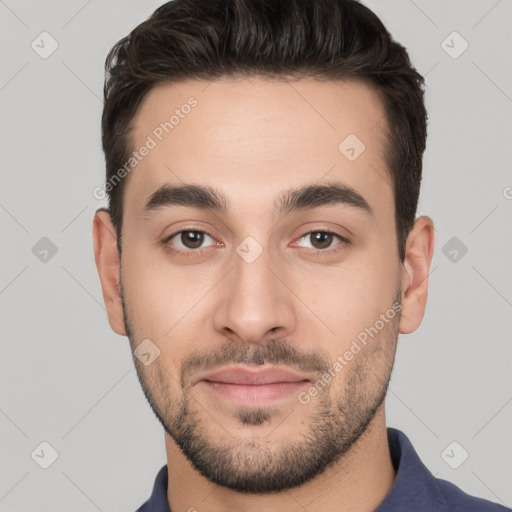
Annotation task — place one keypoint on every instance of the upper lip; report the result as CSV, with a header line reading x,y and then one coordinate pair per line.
x,y
252,376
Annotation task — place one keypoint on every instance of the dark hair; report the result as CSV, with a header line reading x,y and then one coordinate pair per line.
x,y
321,39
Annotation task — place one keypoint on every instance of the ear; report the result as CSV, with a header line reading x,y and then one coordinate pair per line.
x,y
415,271
107,263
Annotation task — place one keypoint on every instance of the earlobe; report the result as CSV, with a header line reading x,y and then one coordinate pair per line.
x,y
107,263
415,271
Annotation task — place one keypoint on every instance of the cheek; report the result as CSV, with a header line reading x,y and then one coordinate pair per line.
x,y
346,299
166,303
152,285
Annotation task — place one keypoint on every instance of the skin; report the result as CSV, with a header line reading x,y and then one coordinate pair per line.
x,y
252,139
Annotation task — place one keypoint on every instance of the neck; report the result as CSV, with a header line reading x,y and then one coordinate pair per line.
x,y
359,481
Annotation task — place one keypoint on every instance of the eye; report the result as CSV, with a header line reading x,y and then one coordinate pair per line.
x,y
187,240
322,240
191,241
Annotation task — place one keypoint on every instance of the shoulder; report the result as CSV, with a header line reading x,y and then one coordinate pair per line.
x,y
415,486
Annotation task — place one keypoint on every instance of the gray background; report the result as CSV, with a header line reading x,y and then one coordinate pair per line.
x,y
68,380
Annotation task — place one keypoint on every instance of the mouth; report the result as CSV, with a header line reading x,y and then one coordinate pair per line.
x,y
246,386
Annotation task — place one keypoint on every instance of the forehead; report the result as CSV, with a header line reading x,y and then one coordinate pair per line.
x,y
253,137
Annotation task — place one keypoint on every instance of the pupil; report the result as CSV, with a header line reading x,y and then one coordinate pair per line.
x,y
323,239
192,239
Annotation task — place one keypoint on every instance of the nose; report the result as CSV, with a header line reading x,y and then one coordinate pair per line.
x,y
256,301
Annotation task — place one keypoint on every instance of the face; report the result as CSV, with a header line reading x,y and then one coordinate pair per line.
x,y
311,284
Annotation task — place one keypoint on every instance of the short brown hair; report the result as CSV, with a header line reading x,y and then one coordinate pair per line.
x,y
323,39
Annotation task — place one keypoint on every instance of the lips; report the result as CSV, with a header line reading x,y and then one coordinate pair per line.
x,y
245,376
249,387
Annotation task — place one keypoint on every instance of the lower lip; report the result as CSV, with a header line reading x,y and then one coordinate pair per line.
x,y
255,394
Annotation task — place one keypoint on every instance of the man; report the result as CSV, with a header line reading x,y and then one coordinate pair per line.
x,y
261,251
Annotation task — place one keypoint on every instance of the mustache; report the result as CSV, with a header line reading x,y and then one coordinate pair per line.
x,y
273,351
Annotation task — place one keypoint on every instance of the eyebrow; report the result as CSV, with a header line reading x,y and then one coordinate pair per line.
x,y
208,198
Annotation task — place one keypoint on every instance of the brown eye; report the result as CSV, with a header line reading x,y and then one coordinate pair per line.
x,y
321,239
189,239
192,239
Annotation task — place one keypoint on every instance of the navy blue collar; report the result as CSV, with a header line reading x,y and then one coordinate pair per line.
x,y
415,487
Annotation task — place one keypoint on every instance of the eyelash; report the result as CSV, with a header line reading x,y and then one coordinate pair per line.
x,y
191,252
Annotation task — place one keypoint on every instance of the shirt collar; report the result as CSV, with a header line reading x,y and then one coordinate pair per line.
x,y
413,482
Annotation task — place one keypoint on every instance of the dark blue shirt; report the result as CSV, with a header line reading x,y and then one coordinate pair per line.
x,y
415,488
